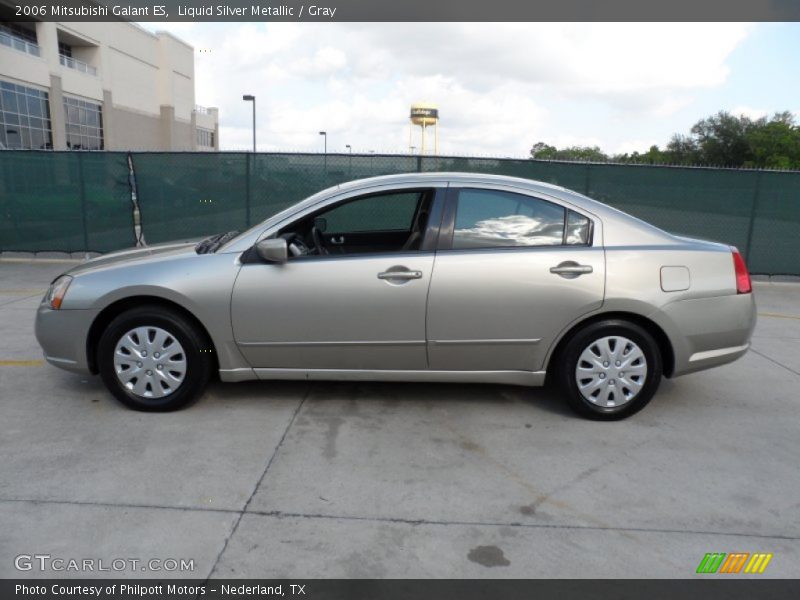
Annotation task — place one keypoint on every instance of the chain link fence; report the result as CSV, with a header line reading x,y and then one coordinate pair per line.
x,y
73,201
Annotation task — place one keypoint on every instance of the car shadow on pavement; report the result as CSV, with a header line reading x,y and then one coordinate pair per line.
x,y
218,395
429,394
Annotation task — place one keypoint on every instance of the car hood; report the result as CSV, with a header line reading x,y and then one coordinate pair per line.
x,y
154,252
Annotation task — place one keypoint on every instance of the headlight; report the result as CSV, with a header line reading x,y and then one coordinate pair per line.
x,y
56,292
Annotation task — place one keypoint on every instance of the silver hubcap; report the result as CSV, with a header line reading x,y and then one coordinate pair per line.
x,y
150,362
611,371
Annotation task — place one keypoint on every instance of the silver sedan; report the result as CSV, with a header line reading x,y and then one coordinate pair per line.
x,y
419,277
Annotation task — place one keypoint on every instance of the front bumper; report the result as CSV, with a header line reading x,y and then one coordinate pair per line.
x,y
62,334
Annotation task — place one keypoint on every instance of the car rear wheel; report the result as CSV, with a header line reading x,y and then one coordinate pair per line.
x,y
154,359
609,370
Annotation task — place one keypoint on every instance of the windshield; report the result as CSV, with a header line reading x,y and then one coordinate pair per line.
x,y
277,217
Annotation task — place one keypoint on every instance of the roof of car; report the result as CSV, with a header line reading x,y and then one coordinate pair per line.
x,y
453,176
532,185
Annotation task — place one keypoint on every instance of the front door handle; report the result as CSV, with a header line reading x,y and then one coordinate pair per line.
x,y
570,269
399,275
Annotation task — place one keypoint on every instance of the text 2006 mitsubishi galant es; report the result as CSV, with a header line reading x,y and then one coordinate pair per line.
x,y
419,277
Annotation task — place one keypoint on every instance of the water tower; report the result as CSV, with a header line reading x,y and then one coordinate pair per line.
x,y
425,115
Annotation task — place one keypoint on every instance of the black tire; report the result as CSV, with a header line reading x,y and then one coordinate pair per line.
x,y
199,362
567,363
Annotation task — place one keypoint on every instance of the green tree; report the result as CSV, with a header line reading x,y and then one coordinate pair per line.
x,y
683,150
654,156
775,144
721,139
543,151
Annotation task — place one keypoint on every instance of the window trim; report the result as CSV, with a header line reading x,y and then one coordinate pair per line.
x,y
447,231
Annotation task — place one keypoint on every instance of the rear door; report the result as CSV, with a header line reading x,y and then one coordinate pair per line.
x,y
512,271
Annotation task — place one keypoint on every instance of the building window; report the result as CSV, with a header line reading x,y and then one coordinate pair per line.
x,y
205,137
64,49
84,123
19,31
16,36
24,118
65,58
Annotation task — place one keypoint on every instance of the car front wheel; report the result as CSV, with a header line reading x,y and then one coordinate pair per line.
x,y
609,370
154,359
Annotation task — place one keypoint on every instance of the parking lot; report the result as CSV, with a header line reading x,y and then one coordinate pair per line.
x,y
380,480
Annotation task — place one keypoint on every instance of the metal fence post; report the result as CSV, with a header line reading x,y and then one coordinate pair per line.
x,y
82,181
247,190
753,208
588,178
419,163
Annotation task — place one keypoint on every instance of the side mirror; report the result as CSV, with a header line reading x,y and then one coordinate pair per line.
x,y
273,250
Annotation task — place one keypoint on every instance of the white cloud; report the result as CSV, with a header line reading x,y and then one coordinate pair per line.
x,y
500,87
748,111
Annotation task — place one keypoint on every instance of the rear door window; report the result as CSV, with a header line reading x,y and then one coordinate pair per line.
x,y
498,219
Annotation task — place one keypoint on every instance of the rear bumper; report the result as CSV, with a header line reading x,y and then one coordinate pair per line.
x,y
62,335
708,332
714,358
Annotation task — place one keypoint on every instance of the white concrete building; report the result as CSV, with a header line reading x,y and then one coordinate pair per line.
x,y
99,86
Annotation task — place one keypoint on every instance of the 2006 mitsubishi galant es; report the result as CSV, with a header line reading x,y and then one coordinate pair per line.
x,y
418,277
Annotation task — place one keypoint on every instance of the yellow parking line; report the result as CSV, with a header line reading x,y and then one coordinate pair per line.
x,y
21,363
778,316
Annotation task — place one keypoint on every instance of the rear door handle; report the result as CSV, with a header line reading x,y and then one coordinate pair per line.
x,y
570,269
400,275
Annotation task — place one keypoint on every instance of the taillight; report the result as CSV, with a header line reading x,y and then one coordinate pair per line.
x,y
743,285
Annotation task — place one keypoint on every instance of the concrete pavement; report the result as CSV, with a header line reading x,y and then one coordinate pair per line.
x,y
399,480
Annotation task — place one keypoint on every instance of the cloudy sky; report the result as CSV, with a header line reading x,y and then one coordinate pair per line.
x,y
499,87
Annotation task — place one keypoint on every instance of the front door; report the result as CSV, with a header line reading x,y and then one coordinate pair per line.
x,y
356,303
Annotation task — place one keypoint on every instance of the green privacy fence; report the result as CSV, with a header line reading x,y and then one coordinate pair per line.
x,y
64,201
84,201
